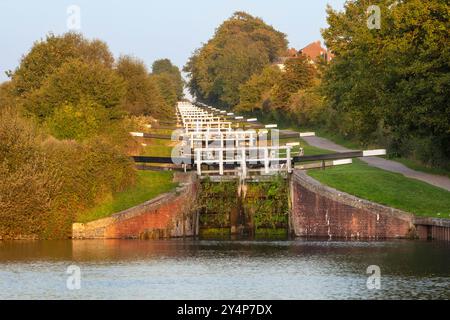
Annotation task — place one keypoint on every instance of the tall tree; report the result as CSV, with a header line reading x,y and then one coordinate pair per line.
x,y
257,89
74,81
7,97
395,78
143,95
298,74
167,88
46,56
165,66
242,45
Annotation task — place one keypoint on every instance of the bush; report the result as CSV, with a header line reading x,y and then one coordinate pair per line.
x,y
78,121
74,82
28,185
89,171
45,181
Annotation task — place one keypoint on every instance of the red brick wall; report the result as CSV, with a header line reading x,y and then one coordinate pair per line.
x,y
319,211
169,215
165,216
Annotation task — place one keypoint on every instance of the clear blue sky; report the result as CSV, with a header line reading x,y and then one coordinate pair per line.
x,y
151,29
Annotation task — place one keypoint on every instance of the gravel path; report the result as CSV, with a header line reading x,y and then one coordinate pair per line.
x,y
388,165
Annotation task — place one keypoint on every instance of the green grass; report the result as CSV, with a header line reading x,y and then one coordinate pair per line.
x,y
391,189
377,185
157,148
149,185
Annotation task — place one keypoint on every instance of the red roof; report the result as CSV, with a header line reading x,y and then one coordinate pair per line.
x,y
315,50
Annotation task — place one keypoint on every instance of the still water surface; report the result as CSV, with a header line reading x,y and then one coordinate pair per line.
x,y
188,269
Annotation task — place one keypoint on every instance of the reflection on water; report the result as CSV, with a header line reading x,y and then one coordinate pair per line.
x,y
188,269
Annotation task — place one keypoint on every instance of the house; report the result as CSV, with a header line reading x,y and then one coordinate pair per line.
x,y
312,51
290,53
315,51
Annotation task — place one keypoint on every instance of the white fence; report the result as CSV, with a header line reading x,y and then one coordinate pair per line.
x,y
214,142
273,159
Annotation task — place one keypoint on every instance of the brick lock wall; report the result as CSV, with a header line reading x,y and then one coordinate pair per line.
x,y
169,215
320,211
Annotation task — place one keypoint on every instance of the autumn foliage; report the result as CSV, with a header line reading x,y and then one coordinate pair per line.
x,y
64,132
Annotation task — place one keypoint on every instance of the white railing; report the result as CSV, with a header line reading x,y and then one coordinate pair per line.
x,y
273,158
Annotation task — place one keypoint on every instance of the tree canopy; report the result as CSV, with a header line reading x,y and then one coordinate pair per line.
x,y
273,90
170,72
392,81
242,46
46,56
143,95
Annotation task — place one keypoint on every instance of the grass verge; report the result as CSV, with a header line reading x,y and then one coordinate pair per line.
x,y
391,189
158,148
149,185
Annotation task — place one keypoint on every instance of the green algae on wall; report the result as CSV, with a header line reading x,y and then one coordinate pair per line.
x,y
257,209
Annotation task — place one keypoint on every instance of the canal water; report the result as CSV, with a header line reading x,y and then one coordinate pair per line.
x,y
191,269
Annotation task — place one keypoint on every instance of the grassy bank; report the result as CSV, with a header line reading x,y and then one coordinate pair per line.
x,y
410,163
158,148
149,185
384,187
391,189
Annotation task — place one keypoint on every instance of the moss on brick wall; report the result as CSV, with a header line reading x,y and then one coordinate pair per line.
x,y
258,205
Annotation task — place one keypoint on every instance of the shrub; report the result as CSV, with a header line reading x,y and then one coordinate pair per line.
x,y
74,82
28,185
78,121
45,181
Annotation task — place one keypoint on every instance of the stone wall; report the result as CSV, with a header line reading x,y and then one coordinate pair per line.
x,y
321,211
169,215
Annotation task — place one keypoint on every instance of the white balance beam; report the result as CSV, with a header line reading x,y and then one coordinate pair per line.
x,y
341,162
307,134
373,153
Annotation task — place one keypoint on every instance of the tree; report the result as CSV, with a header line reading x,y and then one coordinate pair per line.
x,y
394,79
298,74
143,96
256,90
242,46
74,81
167,89
307,107
47,56
28,185
7,98
165,66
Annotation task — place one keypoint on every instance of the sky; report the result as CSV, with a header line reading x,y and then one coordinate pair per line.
x,y
150,29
